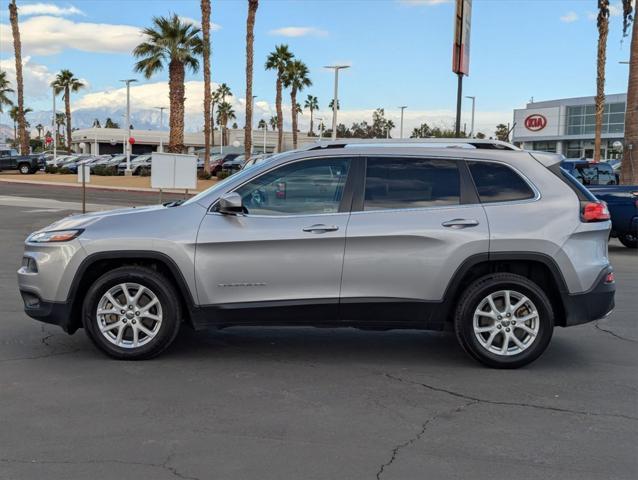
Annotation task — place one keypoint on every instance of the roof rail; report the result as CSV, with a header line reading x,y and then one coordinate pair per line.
x,y
473,143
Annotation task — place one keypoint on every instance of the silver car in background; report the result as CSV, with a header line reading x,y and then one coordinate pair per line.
x,y
496,244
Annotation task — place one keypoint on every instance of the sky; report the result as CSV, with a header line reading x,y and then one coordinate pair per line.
x,y
399,52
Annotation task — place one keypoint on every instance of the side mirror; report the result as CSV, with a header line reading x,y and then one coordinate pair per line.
x,y
230,204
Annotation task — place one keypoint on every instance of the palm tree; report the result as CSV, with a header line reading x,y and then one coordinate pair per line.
x,y
389,125
278,60
96,123
205,7
629,167
17,51
312,104
222,92
250,41
225,113
603,31
39,128
332,102
59,122
174,43
66,82
4,89
273,122
14,114
295,78
213,100
262,124
110,123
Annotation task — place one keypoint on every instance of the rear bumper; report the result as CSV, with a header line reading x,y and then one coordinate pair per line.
x,y
55,313
592,305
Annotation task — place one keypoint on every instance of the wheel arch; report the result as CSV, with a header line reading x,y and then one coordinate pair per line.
x,y
538,267
97,264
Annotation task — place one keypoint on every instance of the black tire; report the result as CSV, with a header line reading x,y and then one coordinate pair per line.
x,y
629,240
24,168
166,295
474,295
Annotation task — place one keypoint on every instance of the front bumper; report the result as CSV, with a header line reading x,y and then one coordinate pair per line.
x,y
596,303
55,313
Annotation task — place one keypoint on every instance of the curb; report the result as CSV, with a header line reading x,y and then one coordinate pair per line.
x,y
97,187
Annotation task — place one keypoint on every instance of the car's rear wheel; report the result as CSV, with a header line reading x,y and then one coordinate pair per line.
x,y
131,313
629,240
504,320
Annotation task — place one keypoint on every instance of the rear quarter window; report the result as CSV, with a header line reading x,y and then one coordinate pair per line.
x,y
496,182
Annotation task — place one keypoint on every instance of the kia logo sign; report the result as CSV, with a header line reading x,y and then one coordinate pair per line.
x,y
535,122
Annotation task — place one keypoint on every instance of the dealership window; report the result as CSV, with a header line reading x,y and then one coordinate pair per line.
x,y
581,119
574,149
544,146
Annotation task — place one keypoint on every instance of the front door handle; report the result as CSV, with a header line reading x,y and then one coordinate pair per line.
x,y
460,223
321,228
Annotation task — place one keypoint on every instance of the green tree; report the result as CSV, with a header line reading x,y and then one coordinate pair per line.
x,y
60,119
312,104
96,123
502,132
174,43
39,128
111,124
422,131
278,60
225,113
480,135
296,78
14,114
66,82
273,122
4,90
332,102
262,124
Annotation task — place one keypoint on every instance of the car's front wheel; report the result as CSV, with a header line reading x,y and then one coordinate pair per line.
x,y
629,240
24,168
131,313
504,320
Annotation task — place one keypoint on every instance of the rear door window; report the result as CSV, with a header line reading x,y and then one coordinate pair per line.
x,y
396,183
496,182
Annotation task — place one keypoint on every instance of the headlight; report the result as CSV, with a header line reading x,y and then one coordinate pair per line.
x,y
54,236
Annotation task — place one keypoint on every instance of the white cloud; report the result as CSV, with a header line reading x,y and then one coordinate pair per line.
x,y
198,24
429,3
569,17
299,32
48,9
37,78
48,35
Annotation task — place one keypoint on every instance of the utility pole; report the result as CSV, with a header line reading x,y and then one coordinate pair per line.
x,y
55,132
335,98
403,107
161,109
128,82
472,122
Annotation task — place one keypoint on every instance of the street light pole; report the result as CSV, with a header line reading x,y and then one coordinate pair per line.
x,y
320,120
55,131
161,109
335,99
252,133
472,122
403,107
128,124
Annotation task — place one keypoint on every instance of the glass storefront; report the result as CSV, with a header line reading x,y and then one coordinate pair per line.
x,y
581,119
585,149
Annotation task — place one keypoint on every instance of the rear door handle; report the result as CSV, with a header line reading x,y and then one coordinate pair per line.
x,y
321,228
460,223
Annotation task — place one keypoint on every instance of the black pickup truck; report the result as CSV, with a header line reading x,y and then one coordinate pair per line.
x,y
25,164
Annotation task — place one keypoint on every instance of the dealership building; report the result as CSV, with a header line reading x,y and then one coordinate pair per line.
x,y
567,126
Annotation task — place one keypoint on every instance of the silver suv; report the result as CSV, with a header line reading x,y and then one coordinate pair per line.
x,y
496,244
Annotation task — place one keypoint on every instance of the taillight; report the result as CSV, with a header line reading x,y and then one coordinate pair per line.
x,y
610,278
595,212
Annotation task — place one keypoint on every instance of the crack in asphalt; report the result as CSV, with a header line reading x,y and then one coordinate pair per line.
x,y
164,465
45,355
613,334
417,437
45,338
509,404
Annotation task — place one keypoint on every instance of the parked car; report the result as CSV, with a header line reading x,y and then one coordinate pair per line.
x,y
622,201
234,163
138,165
112,162
489,243
215,164
25,164
591,173
73,165
256,159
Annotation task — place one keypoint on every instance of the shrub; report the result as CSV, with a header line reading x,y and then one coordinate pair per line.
x,y
203,175
104,170
64,171
223,174
144,172
50,169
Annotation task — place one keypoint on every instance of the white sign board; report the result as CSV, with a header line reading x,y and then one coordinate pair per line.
x,y
173,171
537,122
87,173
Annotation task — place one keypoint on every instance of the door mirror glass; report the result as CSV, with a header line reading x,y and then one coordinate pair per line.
x,y
230,204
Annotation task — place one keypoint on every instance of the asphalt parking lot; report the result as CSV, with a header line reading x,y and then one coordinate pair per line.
x,y
300,403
